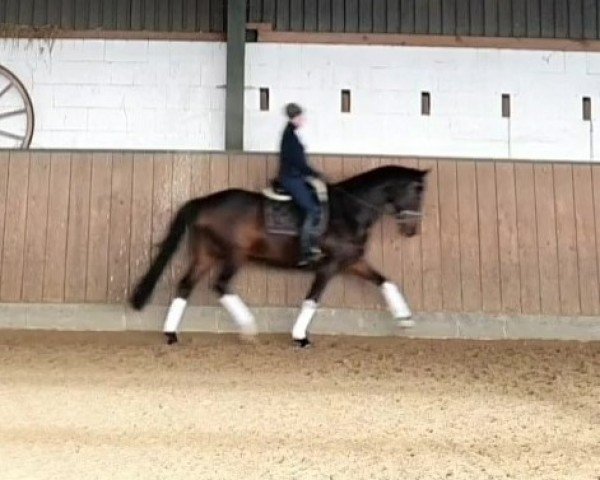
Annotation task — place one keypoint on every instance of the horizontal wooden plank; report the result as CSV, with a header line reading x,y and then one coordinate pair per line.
x,y
430,41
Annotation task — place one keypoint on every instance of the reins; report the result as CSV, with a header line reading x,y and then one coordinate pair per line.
x,y
403,216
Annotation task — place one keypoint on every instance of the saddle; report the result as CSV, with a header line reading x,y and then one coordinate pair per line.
x,y
283,217
276,192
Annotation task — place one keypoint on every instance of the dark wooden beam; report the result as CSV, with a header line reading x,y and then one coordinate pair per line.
x,y
236,52
429,41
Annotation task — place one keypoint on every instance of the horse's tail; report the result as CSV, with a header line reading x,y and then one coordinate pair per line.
x,y
186,215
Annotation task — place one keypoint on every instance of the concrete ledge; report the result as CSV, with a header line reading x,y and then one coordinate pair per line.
x,y
280,320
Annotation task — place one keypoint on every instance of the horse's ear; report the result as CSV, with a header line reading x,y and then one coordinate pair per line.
x,y
426,171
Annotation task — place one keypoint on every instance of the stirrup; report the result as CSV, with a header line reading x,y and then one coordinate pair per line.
x,y
313,257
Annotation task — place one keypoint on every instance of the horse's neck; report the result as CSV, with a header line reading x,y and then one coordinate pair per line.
x,y
364,203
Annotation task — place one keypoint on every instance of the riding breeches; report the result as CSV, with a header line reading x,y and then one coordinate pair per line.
x,y
304,197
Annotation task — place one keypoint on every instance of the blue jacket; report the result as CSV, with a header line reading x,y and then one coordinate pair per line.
x,y
292,157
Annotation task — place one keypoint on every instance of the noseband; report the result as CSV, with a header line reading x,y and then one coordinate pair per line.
x,y
408,216
404,216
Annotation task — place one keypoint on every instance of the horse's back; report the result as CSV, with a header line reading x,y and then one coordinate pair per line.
x,y
228,208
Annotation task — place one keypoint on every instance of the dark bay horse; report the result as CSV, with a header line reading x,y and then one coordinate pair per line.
x,y
227,228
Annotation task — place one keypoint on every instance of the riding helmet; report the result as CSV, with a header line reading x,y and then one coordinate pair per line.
x,y
292,110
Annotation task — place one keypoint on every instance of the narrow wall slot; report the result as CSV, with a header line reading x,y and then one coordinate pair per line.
x,y
505,105
425,103
587,108
264,99
345,101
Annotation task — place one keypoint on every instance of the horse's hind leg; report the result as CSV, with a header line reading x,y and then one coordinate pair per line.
x,y
234,305
176,310
201,261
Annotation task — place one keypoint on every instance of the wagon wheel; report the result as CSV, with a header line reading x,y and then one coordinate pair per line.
x,y
16,112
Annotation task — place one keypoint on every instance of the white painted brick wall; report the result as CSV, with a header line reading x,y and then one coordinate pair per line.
x,y
466,85
171,95
122,94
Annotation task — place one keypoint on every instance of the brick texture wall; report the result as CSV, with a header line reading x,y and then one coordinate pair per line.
x,y
152,95
465,85
122,94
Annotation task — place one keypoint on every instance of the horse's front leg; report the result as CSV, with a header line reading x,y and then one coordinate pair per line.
x,y
394,299
310,304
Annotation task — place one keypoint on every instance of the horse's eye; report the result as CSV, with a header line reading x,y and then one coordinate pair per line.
x,y
419,187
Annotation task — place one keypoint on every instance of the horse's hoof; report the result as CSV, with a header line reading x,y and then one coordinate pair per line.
x,y
171,338
406,323
302,343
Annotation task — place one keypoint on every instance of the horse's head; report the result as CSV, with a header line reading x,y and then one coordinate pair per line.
x,y
407,201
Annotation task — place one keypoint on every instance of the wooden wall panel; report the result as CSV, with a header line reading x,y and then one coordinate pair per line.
x,y
97,263
547,247
596,199
510,281
120,228
469,236
488,237
497,236
449,237
78,227
566,240
587,259
58,220
35,234
4,162
14,227
141,217
527,238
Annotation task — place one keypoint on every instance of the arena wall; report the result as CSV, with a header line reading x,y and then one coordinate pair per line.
x,y
122,94
170,95
465,87
508,239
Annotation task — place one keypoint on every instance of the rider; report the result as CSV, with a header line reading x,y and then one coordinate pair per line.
x,y
293,170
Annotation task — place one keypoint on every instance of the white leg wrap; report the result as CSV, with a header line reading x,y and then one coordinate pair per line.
x,y
240,313
174,315
396,303
309,307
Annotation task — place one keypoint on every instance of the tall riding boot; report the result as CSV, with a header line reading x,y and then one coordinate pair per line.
x,y
308,241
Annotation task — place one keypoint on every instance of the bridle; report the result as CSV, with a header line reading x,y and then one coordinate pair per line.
x,y
402,217
405,216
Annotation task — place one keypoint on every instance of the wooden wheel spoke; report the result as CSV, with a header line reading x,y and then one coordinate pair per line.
x,y
6,134
13,113
12,110
6,89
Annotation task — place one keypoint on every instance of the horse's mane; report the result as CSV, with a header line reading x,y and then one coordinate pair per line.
x,y
380,175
